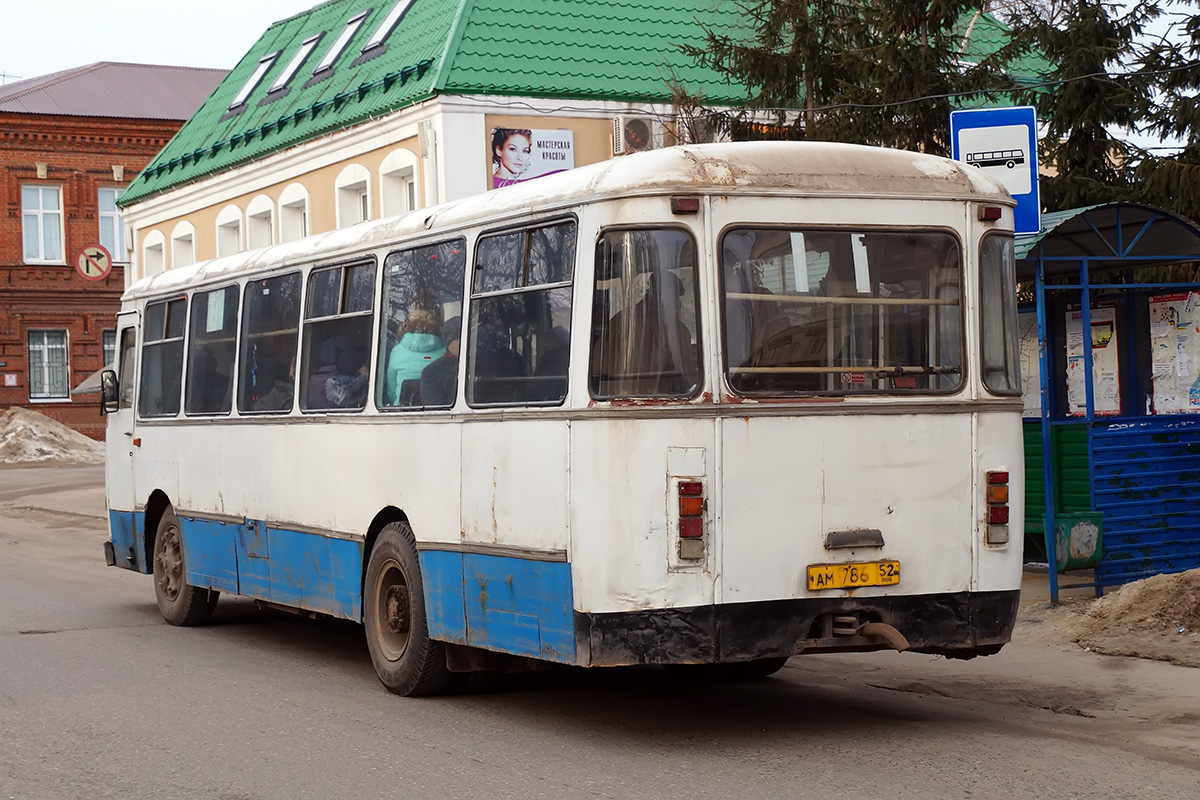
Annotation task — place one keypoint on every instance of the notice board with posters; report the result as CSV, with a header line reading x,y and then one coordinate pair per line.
x,y
1106,366
1175,353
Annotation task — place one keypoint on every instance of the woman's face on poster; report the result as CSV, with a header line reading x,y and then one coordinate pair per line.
x,y
514,154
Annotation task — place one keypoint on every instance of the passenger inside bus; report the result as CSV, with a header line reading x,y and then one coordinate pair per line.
x,y
439,380
419,346
646,349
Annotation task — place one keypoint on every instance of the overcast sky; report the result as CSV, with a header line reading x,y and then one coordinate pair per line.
x,y
44,36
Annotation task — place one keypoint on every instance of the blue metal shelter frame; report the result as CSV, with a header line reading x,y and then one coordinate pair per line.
x,y
1144,469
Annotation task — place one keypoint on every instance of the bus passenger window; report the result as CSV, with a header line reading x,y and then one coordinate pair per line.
x,y
520,327
211,347
645,334
125,382
422,304
338,321
270,333
162,358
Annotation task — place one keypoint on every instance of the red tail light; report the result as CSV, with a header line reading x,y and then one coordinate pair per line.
x,y
997,507
691,509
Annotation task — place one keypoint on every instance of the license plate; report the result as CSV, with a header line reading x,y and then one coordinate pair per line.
x,y
851,576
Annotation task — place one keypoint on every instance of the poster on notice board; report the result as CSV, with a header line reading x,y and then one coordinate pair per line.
x,y
1175,353
1106,367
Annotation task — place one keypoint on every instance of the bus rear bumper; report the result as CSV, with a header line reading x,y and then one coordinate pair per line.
x,y
956,625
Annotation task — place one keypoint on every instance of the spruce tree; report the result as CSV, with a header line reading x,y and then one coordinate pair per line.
x,y
881,72
1173,182
1089,94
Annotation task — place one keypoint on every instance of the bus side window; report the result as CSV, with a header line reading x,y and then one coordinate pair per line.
x,y
270,332
338,322
128,348
162,358
211,346
422,304
521,316
645,337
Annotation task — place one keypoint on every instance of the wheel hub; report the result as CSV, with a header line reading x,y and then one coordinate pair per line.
x,y
396,610
170,562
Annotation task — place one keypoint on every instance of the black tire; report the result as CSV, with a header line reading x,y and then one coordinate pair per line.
x,y
179,602
729,671
406,660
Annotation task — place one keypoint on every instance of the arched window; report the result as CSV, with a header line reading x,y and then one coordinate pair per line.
x,y
398,183
260,222
153,253
183,245
293,212
229,231
353,187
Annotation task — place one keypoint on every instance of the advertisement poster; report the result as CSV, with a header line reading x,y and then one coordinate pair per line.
x,y
1175,351
1031,366
521,154
1106,369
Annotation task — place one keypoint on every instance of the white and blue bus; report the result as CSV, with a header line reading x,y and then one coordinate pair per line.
x,y
707,405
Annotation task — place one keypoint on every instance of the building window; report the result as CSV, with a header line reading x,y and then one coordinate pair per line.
x,y
264,64
294,65
47,365
398,185
353,196
183,245
260,228
229,231
293,213
153,254
111,231
352,26
110,347
388,25
41,221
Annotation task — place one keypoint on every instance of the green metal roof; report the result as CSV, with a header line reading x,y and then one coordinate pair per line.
x,y
622,50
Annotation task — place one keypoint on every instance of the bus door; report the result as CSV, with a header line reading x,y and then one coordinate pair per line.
x,y
120,446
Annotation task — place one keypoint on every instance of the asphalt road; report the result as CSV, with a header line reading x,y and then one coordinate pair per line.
x,y
101,699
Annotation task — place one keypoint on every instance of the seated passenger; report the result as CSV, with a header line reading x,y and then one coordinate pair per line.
x,y
280,396
327,356
349,387
439,381
418,346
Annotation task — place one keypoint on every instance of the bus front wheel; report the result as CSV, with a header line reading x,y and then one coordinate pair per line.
x,y
407,661
179,601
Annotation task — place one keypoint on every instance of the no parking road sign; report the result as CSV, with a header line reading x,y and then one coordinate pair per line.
x,y
1003,143
93,262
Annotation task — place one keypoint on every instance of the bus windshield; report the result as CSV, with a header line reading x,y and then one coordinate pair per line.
x,y
841,311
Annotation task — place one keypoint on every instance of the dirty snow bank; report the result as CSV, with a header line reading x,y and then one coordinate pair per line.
x,y
29,437
1156,618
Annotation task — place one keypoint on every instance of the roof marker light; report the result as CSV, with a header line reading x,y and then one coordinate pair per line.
x,y
990,213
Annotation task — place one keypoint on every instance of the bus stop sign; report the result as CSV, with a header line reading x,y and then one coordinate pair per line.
x,y
1003,143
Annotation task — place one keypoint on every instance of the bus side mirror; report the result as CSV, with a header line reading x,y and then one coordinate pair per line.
x,y
109,401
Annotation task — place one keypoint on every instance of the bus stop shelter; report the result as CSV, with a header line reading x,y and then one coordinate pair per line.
x,y
1110,345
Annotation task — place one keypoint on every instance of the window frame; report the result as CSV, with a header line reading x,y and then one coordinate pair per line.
x,y
41,215
47,367
163,340
1010,313
193,341
698,305
244,335
472,304
849,229
117,248
307,323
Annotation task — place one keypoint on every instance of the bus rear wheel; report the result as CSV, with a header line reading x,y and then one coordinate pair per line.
x,y
406,660
179,602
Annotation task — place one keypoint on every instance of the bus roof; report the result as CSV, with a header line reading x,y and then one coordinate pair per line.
x,y
790,168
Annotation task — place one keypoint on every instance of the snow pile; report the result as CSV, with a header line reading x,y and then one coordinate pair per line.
x,y
29,437
1156,618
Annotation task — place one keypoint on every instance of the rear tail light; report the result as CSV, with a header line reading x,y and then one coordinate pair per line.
x,y
997,508
691,509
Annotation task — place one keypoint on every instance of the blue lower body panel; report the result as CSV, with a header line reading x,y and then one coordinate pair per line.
x,y
129,544
513,605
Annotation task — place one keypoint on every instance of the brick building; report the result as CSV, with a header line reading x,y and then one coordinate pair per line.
x,y
70,142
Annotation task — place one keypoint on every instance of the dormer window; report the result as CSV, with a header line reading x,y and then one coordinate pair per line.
x,y
296,63
388,25
352,26
264,64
